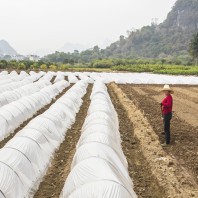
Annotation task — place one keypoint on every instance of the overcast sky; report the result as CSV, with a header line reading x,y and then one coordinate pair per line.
x,y
33,25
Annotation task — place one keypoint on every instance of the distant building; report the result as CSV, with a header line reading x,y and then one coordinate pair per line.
x,y
18,57
33,57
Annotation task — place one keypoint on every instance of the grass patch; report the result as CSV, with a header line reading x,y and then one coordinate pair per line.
x,y
159,69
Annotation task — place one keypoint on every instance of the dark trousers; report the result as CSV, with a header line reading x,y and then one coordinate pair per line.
x,y
167,119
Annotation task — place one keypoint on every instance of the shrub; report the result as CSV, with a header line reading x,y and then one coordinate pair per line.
x,y
64,67
43,67
103,63
53,67
21,66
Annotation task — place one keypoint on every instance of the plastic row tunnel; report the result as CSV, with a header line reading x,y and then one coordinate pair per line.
x,y
25,159
15,113
99,167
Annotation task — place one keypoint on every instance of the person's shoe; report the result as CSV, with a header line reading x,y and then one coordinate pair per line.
x,y
164,145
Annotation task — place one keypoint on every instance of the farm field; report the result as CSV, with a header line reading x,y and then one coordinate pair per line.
x,y
184,129
81,134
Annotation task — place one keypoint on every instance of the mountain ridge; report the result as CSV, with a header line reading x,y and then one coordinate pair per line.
x,y
170,38
6,49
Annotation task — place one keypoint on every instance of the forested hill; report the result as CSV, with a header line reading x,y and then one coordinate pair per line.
x,y
168,39
171,37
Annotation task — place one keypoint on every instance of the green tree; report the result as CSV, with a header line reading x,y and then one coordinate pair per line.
x,y
193,48
64,67
21,66
105,63
53,67
3,64
34,66
43,67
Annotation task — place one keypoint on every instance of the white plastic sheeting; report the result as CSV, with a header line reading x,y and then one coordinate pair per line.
x,y
99,167
33,73
26,157
15,113
134,78
121,78
71,77
85,77
36,76
48,76
23,73
13,85
14,76
10,96
3,73
16,84
60,76
144,78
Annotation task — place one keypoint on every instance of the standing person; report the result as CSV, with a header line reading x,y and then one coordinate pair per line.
x,y
166,106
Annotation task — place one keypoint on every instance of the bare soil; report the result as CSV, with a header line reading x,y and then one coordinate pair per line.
x,y
145,185
156,171
52,80
55,178
66,78
184,130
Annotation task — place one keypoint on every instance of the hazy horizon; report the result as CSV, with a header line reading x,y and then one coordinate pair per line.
x,y
33,26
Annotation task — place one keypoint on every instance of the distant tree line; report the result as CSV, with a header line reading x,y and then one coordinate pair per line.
x,y
168,40
30,65
96,58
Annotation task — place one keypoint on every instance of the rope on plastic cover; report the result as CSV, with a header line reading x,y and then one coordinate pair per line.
x,y
13,171
98,181
13,104
19,152
2,193
37,131
23,104
98,158
80,145
44,115
4,119
30,139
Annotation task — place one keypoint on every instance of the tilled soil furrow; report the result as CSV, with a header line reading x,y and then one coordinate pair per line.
x,y
145,185
3,142
56,175
184,105
52,80
194,89
187,94
171,176
184,137
66,78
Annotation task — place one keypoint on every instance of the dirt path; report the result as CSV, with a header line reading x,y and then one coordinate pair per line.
x,y
2,143
193,88
184,144
171,176
187,93
145,185
54,180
